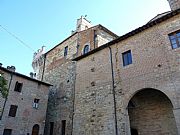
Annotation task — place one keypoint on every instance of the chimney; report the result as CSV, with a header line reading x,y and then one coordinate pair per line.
x,y
31,74
11,68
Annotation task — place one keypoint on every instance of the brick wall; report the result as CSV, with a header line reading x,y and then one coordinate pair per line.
x,y
152,110
61,72
155,65
94,108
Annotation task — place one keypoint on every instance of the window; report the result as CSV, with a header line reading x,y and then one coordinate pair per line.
x,y
127,58
63,127
18,86
35,103
13,110
134,131
86,49
86,27
77,49
175,39
7,132
65,51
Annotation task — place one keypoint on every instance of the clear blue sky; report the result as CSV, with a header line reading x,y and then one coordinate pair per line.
x,y
45,22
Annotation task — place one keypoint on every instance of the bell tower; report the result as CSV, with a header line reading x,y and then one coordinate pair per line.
x,y
83,24
174,4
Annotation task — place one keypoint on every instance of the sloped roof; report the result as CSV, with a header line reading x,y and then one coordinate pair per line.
x,y
61,42
24,76
132,33
159,16
99,25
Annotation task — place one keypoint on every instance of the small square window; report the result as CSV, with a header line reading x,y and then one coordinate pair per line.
x,y
127,58
36,103
18,86
65,51
13,110
175,39
7,132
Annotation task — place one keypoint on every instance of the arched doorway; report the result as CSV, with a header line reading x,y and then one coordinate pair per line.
x,y
35,129
151,113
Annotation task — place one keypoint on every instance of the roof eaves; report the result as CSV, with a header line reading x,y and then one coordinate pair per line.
x,y
61,42
158,16
99,25
24,76
108,31
132,33
93,27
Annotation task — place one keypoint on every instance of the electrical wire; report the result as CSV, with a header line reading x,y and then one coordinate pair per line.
x,y
17,38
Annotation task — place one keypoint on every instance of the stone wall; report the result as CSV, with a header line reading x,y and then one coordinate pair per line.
x,y
94,107
103,37
61,97
94,37
152,110
155,65
60,72
174,4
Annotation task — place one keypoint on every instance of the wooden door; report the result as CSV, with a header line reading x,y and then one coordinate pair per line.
x,y
35,129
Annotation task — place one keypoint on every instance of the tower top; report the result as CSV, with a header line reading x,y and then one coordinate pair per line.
x,y
174,4
83,24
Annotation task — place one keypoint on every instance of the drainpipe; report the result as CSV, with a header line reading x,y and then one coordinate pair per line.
x,y
74,99
6,97
113,89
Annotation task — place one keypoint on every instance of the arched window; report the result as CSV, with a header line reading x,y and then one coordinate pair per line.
x,y
86,49
86,27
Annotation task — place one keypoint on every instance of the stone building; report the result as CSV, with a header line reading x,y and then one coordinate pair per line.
x,y
57,68
109,85
131,85
23,112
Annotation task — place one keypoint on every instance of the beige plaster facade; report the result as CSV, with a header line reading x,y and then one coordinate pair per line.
x,y
27,114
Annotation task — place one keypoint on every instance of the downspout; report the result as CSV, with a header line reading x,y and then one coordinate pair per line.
x,y
43,67
74,87
74,98
6,97
113,89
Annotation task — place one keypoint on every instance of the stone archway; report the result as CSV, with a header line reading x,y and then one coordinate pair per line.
x,y
151,113
35,129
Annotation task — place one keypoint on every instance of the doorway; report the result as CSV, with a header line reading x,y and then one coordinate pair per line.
x,y
151,112
35,129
